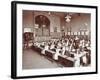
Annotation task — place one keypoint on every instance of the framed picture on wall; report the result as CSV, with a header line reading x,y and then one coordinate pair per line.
x,y
37,51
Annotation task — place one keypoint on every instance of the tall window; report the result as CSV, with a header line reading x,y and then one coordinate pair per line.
x,y
43,25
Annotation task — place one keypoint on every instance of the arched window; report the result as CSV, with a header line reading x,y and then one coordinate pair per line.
x,y
43,25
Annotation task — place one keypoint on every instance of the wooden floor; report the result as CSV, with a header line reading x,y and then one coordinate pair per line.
x,y
32,60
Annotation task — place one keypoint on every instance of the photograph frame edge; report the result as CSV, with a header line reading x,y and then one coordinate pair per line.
x,y
14,39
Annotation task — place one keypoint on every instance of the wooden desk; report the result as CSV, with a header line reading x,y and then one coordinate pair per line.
x,y
66,61
63,60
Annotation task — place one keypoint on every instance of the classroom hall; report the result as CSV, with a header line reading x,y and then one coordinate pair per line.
x,y
56,39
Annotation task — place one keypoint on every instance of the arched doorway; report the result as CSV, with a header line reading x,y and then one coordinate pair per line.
x,y
43,25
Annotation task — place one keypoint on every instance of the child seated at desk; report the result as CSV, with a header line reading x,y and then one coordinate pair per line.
x,y
52,46
63,50
46,47
57,53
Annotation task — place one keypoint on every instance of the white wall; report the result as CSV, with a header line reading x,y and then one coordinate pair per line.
x,y
5,41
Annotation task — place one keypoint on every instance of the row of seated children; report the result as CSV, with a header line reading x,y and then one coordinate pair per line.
x,y
71,47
